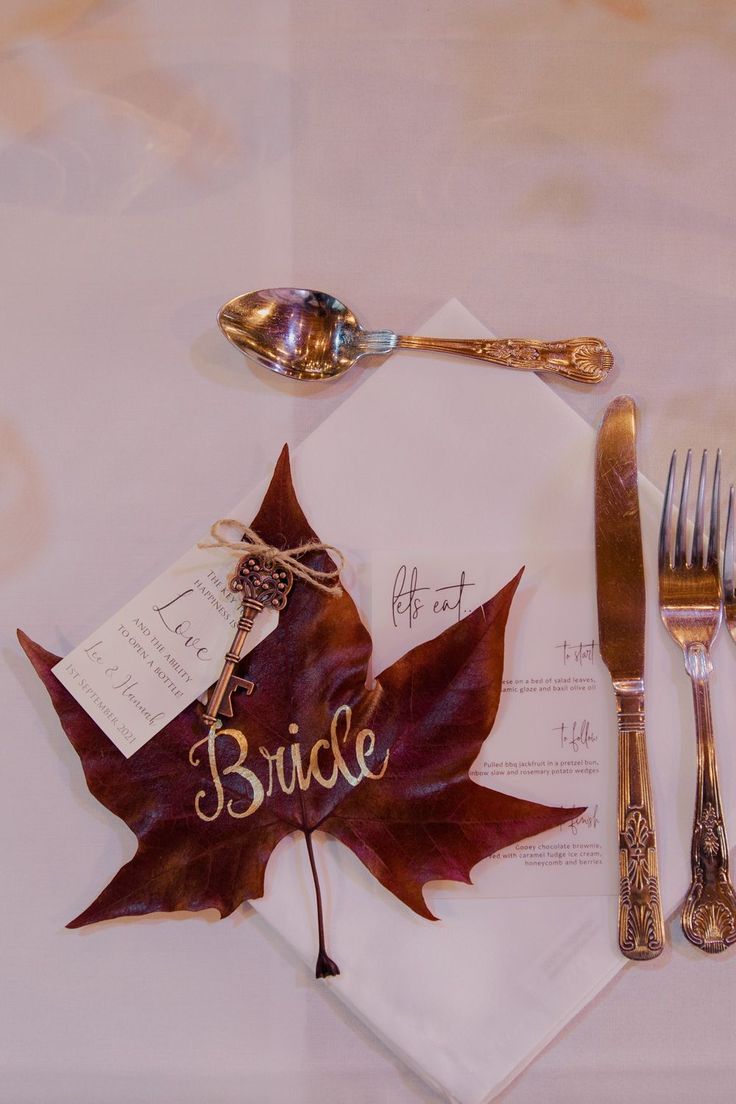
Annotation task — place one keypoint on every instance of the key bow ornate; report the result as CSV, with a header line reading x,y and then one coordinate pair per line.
x,y
261,582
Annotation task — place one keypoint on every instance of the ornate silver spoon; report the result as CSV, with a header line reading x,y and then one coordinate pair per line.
x,y
310,335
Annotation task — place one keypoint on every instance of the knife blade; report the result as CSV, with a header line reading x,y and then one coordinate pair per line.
x,y
621,632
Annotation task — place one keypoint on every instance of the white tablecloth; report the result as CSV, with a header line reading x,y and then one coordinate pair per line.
x,y
562,168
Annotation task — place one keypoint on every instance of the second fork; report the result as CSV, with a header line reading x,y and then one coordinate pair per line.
x,y
691,606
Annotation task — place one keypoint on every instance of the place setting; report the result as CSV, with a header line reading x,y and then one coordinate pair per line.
x,y
410,700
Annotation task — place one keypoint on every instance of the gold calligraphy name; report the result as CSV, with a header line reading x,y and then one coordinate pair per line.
x,y
325,764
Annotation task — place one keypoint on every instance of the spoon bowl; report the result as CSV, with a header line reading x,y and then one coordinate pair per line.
x,y
310,335
293,331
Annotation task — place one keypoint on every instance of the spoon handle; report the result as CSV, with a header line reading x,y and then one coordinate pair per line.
x,y
586,359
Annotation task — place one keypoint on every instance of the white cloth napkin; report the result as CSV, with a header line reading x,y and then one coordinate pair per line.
x,y
430,445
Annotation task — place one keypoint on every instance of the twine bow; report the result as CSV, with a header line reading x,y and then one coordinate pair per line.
x,y
288,558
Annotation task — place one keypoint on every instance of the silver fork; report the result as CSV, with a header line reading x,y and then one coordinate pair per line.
x,y
691,607
729,567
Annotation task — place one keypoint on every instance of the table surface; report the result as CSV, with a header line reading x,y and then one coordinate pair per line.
x,y
562,167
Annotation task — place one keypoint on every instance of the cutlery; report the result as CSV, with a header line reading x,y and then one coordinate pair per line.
x,y
691,607
310,335
621,627
729,568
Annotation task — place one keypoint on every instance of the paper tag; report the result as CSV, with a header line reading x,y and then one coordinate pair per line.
x,y
161,651
551,741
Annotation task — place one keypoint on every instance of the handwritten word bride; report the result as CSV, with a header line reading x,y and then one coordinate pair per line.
x,y
325,772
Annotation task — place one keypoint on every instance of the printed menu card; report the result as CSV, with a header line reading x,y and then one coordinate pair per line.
x,y
550,741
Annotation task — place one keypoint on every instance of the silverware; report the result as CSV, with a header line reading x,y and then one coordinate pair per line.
x,y
310,335
729,567
691,608
621,626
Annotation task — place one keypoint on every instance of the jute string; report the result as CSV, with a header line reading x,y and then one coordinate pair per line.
x,y
288,558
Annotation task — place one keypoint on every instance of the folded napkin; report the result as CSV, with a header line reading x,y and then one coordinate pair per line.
x,y
432,449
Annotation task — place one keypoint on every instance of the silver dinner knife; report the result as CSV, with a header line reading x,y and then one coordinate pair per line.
x,y
621,624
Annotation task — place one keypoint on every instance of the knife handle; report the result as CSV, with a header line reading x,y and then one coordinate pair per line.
x,y
640,921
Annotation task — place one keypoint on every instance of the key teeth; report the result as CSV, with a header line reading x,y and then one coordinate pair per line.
x,y
226,707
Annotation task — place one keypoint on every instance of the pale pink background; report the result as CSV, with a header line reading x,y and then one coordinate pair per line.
x,y
561,166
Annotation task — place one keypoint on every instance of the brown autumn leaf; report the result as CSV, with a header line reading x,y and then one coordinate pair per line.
x,y
385,770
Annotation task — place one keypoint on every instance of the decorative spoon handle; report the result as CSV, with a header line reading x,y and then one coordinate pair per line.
x,y
585,359
262,585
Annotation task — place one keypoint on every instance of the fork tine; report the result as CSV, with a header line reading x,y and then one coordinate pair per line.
x,y
728,550
665,544
681,534
714,537
696,557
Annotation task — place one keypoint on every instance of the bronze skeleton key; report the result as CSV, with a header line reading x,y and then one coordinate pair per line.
x,y
263,585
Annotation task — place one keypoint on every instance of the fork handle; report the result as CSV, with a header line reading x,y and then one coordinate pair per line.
x,y
709,914
640,920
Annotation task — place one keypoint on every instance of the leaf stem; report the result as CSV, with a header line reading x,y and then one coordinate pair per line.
x,y
325,966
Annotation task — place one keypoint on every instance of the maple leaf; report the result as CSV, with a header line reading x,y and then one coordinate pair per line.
x,y
385,771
